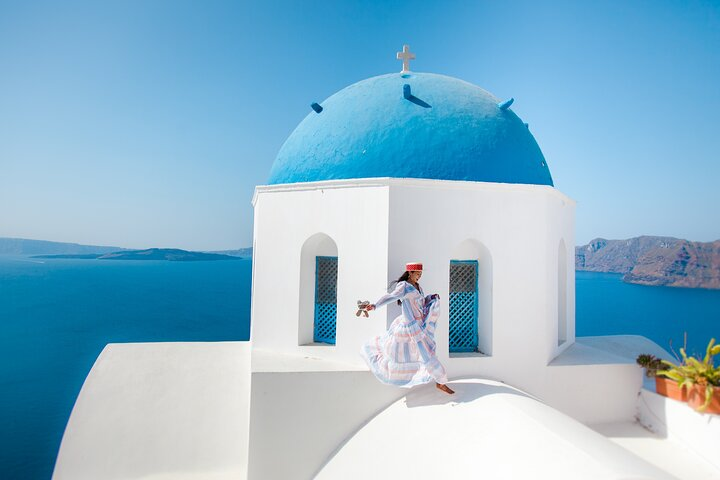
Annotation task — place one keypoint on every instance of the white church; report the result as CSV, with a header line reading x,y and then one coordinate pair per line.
x,y
396,168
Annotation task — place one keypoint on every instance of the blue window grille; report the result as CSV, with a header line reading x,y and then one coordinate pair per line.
x,y
325,299
463,305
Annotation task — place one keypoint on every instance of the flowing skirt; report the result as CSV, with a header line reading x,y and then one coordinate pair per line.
x,y
404,356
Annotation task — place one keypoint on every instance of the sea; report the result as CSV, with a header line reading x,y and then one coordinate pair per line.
x,y
56,316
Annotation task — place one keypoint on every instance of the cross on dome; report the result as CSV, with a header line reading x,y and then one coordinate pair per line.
x,y
405,56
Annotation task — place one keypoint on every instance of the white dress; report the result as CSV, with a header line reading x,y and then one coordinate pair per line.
x,y
405,355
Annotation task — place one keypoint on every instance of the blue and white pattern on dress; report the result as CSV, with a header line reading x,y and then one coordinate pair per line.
x,y
404,356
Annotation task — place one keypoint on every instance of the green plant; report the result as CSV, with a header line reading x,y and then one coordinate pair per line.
x,y
694,371
650,363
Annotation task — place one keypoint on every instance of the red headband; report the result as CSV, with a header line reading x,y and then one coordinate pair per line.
x,y
414,267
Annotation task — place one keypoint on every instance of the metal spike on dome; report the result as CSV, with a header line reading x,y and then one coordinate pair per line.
x,y
316,106
506,104
406,92
527,125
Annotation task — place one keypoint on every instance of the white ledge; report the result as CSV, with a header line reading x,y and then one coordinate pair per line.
x,y
607,350
267,361
409,182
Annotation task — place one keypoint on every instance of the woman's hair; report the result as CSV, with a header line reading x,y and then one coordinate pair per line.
x,y
403,278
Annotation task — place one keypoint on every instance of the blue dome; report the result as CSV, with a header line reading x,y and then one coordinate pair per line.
x,y
447,129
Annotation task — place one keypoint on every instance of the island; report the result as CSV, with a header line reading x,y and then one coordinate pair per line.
x,y
169,254
240,252
655,261
25,246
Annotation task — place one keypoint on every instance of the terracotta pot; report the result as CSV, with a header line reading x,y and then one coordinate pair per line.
x,y
696,399
670,388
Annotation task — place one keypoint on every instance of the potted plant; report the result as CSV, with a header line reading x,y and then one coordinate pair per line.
x,y
667,387
700,377
650,363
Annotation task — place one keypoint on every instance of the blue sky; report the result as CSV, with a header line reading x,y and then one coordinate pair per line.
x,y
148,123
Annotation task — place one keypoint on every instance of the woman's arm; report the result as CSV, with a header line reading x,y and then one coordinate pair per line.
x,y
397,294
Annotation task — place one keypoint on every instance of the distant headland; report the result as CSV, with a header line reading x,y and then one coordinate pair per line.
x,y
169,254
45,249
655,261
646,260
24,246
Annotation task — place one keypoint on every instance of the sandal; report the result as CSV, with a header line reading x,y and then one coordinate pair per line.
x,y
444,388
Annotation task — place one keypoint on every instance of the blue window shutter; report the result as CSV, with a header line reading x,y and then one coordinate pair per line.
x,y
325,299
463,305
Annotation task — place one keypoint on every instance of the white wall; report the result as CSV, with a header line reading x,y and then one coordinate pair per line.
x,y
161,411
518,229
698,431
352,220
377,225
299,419
561,231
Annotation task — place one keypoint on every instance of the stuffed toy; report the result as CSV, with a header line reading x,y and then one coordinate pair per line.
x,y
362,308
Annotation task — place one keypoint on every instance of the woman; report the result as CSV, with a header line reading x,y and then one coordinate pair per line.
x,y
405,355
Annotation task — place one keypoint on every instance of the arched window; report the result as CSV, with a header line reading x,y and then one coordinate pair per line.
x,y
470,303
317,322
562,294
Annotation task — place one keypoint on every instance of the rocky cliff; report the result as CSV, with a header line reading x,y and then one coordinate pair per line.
x,y
660,261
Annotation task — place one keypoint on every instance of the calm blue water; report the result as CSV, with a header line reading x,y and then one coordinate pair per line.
x,y
604,305
56,317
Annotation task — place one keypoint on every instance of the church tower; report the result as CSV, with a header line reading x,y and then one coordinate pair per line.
x,y
415,166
